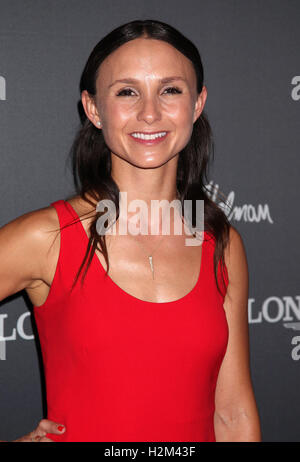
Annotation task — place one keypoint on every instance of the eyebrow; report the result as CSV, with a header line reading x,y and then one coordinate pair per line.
x,y
134,81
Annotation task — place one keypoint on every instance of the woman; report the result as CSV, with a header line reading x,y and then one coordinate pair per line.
x,y
159,350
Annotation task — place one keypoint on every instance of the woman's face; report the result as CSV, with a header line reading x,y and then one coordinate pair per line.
x,y
145,87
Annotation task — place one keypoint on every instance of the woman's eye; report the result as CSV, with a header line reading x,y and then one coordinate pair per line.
x,y
125,92
174,90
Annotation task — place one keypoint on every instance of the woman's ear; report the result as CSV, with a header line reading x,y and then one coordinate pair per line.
x,y
200,103
90,108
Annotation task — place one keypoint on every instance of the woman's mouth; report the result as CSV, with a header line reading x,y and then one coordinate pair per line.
x,y
149,138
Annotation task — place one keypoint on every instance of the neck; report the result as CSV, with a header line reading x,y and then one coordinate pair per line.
x,y
146,184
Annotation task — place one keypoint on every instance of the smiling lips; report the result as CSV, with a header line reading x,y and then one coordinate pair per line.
x,y
148,138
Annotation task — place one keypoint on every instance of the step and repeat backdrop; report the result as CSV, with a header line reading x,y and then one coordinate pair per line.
x,y
250,53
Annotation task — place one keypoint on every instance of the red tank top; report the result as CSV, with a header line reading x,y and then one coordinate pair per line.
x,y
120,369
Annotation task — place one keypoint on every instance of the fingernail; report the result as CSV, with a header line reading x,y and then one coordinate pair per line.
x,y
60,428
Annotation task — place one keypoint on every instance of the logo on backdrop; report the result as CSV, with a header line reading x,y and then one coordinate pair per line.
x,y
2,88
295,93
284,310
245,212
19,331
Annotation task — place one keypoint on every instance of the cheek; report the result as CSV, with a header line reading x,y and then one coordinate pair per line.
x,y
115,118
182,114
182,117
116,113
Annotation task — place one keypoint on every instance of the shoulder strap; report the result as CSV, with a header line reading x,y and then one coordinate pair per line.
x,y
72,243
64,214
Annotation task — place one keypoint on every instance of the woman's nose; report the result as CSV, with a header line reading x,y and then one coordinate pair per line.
x,y
149,110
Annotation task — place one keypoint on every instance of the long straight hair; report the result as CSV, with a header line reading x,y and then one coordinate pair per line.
x,y
91,157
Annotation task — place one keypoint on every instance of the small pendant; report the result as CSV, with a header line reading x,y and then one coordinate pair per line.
x,y
151,265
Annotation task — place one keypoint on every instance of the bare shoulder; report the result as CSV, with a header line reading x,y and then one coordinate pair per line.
x,y
34,225
235,240
31,226
27,246
29,250
238,274
235,257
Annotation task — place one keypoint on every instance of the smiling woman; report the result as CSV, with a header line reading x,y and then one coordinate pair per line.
x,y
129,356
143,103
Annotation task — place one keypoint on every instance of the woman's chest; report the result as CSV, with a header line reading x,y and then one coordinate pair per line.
x,y
164,271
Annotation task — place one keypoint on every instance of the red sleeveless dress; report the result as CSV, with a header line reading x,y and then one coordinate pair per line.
x,y
119,369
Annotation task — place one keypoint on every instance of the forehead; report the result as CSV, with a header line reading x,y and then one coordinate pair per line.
x,y
141,58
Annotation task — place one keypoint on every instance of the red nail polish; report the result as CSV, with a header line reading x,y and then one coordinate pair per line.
x,y
60,428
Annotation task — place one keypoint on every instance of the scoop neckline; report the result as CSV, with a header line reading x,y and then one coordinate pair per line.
x,y
128,295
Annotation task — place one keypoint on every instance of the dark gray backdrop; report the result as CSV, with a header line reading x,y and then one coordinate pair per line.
x,y
250,52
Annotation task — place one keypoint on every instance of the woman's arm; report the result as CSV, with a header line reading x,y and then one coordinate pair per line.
x,y
236,415
24,255
24,247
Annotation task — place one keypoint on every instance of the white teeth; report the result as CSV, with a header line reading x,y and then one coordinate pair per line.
x,y
148,137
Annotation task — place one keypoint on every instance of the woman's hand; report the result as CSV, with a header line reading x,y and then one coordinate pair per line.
x,y
38,435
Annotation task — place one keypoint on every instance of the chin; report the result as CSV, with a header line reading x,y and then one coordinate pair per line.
x,y
152,162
